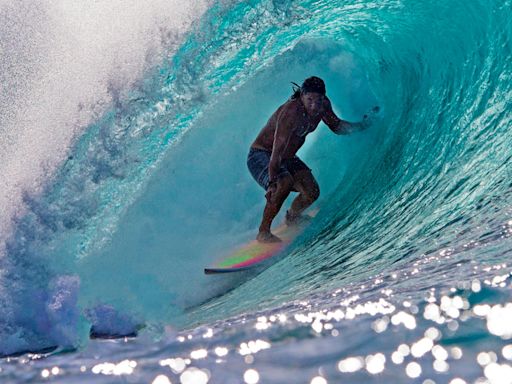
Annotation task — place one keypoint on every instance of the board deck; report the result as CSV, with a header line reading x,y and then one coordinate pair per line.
x,y
254,252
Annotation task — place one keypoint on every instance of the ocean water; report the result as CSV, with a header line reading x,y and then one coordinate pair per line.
x,y
124,133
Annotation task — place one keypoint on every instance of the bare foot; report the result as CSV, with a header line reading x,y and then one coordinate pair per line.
x,y
297,220
267,237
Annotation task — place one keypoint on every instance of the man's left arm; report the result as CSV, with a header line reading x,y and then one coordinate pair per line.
x,y
342,127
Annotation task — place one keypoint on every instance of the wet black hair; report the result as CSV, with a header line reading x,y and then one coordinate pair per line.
x,y
311,84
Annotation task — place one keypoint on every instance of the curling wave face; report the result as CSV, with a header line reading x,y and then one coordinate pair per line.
x,y
156,187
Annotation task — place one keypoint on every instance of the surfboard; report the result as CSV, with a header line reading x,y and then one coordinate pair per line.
x,y
254,253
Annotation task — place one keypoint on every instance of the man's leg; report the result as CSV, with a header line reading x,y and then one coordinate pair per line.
x,y
308,189
284,187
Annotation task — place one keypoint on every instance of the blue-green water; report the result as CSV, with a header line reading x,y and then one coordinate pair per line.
x,y
403,275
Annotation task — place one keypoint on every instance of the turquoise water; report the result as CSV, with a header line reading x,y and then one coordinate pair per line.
x,y
403,275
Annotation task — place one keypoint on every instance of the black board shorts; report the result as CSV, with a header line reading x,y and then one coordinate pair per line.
x,y
259,159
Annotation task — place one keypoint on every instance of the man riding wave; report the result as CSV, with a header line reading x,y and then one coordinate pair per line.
x,y
273,160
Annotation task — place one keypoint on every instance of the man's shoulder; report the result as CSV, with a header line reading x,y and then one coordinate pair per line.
x,y
286,116
291,108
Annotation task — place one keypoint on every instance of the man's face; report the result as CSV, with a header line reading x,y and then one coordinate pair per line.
x,y
312,102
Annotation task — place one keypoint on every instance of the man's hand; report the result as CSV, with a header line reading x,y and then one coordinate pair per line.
x,y
271,191
368,119
342,127
372,112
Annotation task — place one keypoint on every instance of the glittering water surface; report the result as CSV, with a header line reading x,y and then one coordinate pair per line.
x,y
404,274
358,333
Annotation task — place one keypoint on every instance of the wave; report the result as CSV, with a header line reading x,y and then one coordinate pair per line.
x,y
156,187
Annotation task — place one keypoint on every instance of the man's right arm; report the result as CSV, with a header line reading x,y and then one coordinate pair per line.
x,y
342,127
335,124
281,138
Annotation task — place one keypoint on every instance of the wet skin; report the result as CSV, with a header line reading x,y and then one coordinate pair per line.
x,y
283,135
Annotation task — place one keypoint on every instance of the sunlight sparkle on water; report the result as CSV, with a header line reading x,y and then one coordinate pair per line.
x,y
433,333
439,353
208,333
251,376
221,351
318,380
194,376
452,306
506,351
397,358
433,312
456,353
404,318
176,365
125,367
476,286
351,364
441,366
413,370
486,358
253,346
481,309
380,325
421,347
375,363
161,379
262,323
498,373
498,320
317,326
404,349
422,327
199,354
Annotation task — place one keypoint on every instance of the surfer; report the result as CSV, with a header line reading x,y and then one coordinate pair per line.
x,y
273,160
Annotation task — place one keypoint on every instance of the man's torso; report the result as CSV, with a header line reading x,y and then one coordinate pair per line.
x,y
302,126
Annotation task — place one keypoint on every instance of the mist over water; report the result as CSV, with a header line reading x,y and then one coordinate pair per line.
x,y
138,181
62,66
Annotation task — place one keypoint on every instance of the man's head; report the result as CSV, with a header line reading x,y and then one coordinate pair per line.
x,y
313,84
312,93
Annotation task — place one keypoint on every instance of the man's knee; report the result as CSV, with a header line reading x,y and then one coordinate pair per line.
x,y
313,194
285,183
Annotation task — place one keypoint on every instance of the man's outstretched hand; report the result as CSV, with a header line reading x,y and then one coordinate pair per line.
x,y
372,112
368,119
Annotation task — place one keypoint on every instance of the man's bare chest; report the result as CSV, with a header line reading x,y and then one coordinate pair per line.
x,y
305,125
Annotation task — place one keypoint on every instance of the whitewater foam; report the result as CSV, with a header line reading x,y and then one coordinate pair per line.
x,y
62,66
